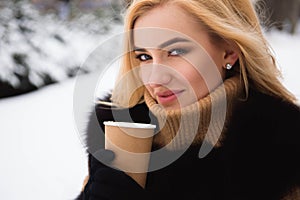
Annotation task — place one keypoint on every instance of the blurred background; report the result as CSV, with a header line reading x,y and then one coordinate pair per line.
x,y
44,47
45,42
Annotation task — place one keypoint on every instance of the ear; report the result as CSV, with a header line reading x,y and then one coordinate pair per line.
x,y
231,55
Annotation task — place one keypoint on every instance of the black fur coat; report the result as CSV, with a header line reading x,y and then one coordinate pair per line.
x,y
259,158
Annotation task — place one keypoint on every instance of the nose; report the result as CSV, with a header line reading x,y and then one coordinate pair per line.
x,y
159,78
156,75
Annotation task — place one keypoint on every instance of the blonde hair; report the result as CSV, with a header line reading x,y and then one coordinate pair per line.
x,y
231,20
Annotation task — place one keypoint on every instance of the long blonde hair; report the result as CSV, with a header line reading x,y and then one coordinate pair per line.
x,y
230,20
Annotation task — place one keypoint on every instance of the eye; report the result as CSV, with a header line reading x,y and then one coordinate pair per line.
x,y
177,52
143,57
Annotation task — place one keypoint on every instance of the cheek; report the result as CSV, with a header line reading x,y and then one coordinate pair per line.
x,y
196,81
191,74
197,84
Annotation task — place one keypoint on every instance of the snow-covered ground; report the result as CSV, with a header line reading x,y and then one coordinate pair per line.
x,y
41,154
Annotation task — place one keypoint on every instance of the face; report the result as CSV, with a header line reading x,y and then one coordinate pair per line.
x,y
178,62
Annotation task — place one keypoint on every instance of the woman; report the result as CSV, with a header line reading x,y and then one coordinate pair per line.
x,y
203,72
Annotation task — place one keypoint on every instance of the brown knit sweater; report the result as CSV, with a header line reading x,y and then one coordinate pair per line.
x,y
204,119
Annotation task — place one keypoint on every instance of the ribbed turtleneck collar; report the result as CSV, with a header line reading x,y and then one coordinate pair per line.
x,y
204,119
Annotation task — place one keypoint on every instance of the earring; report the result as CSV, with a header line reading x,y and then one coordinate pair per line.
x,y
228,66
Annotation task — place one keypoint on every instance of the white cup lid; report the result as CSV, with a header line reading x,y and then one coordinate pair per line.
x,y
129,125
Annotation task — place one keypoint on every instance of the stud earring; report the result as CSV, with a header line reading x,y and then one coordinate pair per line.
x,y
228,66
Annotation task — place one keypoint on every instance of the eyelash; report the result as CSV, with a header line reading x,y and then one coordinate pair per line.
x,y
139,57
181,52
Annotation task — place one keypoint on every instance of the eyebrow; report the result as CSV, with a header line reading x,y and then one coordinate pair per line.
x,y
165,44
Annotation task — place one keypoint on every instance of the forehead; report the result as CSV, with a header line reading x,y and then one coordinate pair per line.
x,y
163,23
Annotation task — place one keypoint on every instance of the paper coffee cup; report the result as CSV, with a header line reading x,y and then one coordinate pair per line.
x,y
131,143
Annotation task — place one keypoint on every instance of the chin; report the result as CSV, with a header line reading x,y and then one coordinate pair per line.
x,y
175,106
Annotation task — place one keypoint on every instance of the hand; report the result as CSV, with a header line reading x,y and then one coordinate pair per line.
x,y
108,183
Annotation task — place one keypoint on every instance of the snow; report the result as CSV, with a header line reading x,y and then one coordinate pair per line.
x,y
42,156
56,49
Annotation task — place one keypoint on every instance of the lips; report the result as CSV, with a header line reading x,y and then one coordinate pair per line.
x,y
168,93
165,94
168,96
